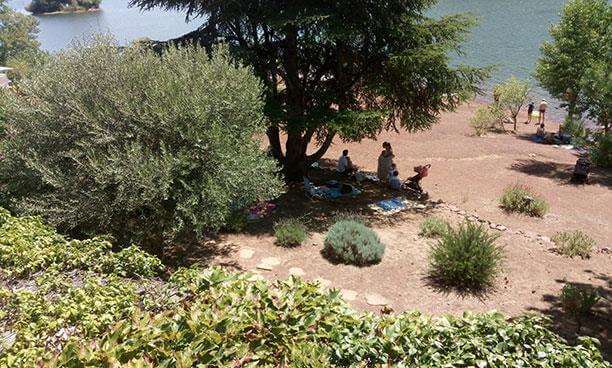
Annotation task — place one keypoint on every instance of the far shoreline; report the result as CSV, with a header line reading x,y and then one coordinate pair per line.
x,y
63,12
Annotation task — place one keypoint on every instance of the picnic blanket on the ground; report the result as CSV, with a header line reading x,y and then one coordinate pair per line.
x,y
261,210
332,190
365,175
390,206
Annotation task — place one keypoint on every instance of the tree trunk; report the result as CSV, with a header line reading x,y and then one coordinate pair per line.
x,y
514,121
295,161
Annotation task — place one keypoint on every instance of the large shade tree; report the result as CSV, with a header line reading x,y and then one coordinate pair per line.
x,y
345,68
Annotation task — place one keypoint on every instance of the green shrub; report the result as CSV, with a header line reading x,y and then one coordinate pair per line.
x,y
28,246
601,152
466,257
487,118
352,242
520,198
576,129
236,222
574,243
290,232
433,227
578,301
121,141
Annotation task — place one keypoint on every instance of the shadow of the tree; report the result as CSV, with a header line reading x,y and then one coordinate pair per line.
x,y
562,173
319,214
595,325
202,253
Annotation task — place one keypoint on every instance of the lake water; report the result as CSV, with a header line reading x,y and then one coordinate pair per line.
x,y
509,33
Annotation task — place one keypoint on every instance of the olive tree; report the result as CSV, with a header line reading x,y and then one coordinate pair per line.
x,y
346,69
575,65
17,33
147,148
512,96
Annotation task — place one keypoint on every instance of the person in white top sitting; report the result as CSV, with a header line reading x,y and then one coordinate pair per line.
x,y
394,181
345,165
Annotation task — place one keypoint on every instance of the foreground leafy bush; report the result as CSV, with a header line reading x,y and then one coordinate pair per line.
x,y
520,198
211,318
28,246
466,257
352,242
121,141
574,243
433,227
290,232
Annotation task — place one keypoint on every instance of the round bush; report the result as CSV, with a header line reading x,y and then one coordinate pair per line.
x,y
520,198
574,243
149,148
466,257
352,242
290,232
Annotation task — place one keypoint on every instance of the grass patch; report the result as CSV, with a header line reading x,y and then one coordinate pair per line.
x,y
466,257
521,199
290,232
574,243
352,242
433,227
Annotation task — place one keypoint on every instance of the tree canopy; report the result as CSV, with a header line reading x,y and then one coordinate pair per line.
x,y
575,65
145,148
339,68
17,33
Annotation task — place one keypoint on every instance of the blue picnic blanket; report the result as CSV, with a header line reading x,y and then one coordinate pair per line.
x,y
393,204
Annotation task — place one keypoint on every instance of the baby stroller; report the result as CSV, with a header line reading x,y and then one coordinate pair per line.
x,y
413,184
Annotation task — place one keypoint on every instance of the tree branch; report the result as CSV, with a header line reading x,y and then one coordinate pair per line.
x,y
322,150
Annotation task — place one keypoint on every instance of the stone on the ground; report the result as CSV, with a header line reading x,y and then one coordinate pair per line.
x,y
349,295
246,253
376,299
268,263
296,271
501,228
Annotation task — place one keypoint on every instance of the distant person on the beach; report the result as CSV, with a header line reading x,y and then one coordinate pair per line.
x,y
384,162
543,107
345,165
530,108
541,132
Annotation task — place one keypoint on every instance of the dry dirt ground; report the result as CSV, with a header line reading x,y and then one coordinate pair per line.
x,y
468,173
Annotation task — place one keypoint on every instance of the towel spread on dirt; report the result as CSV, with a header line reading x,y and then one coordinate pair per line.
x,y
332,190
389,206
261,210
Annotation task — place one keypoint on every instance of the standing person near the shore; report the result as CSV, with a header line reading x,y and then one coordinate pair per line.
x,y
543,107
384,162
530,108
